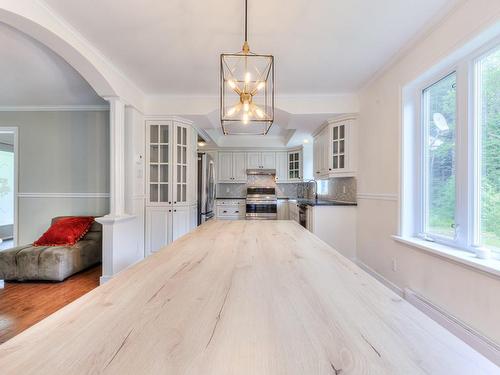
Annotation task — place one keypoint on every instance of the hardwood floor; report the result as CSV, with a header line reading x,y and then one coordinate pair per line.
x,y
25,304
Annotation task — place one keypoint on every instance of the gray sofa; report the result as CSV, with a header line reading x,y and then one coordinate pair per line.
x,y
54,263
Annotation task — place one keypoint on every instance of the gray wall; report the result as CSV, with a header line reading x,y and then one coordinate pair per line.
x,y
64,152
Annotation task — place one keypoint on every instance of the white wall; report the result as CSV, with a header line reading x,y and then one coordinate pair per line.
x,y
60,153
468,294
135,174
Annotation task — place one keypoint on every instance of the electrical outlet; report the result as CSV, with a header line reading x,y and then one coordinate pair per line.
x,y
394,265
227,190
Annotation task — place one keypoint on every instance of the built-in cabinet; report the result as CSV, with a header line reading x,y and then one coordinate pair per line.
x,y
230,209
170,182
232,166
261,160
334,151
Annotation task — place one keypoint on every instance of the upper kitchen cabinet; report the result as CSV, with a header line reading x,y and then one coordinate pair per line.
x,y
261,160
335,149
170,159
232,167
294,161
281,166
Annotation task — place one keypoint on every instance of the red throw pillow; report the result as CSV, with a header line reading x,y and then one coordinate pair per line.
x,y
65,232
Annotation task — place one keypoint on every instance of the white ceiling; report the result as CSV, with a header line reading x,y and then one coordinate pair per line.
x,y
320,47
32,75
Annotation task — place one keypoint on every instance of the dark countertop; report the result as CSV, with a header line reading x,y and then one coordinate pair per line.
x,y
313,202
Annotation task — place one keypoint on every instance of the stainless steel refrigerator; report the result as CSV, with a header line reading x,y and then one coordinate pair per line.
x,y
206,187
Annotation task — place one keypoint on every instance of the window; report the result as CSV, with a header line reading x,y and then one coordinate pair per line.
x,y
439,118
451,154
488,134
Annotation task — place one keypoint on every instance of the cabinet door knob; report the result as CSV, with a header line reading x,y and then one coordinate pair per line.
x,y
169,202
329,169
224,212
237,212
175,210
169,210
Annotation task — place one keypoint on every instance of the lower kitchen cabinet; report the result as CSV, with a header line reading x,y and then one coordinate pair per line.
x,y
283,213
336,225
230,209
293,210
166,224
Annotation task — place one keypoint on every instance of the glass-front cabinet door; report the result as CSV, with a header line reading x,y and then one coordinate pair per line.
x,y
158,162
338,147
181,163
294,163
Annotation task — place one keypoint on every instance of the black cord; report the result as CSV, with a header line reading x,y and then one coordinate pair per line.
x,y
246,28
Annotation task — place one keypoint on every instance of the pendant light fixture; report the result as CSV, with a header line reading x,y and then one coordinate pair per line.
x,y
246,90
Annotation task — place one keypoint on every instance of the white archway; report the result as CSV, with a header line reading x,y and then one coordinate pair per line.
x,y
39,22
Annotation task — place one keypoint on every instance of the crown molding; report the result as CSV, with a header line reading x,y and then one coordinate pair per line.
x,y
55,108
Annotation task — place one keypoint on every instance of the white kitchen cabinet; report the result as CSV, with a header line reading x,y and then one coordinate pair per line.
x,y
336,225
169,163
158,228
171,181
335,149
230,209
261,160
293,210
294,165
281,166
232,167
181,223
253,160
225,167
239,167
282,208
268,160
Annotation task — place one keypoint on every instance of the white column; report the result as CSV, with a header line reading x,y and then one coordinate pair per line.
x,y
117,155
120,232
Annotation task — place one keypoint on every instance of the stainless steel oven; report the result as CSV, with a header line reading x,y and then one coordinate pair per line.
x,y
261,203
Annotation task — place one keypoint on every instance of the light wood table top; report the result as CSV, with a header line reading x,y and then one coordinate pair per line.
x,y
241,297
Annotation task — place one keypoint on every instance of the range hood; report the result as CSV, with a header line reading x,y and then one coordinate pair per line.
x,y
261,172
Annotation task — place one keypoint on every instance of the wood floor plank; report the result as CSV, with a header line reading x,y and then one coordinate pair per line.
x,y
241,297
23,304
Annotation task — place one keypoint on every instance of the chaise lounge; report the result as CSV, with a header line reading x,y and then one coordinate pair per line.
x,y
52,263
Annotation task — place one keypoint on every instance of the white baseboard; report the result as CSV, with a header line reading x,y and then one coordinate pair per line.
x,y
104,279
465,333
474,339
380,278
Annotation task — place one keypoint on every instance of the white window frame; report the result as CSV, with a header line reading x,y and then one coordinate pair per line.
x,y
468,150
475,148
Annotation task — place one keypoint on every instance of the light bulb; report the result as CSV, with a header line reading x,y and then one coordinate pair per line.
x,y
261,85
246,106
245,118
248,77
259,112
231,83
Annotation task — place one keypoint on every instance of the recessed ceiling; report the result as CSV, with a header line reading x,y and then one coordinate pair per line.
x,y
32,75
321,47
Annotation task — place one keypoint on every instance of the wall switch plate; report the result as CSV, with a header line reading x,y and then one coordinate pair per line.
x,y
343,189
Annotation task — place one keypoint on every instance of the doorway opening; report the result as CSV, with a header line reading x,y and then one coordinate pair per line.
x,y
8,187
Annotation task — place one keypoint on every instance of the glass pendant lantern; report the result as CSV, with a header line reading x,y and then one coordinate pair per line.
x,y
247,91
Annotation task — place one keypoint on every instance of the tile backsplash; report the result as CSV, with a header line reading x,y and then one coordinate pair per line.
x,y
240,190
339,188
342,189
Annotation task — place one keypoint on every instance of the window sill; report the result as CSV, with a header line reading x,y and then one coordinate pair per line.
x,y
489,266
